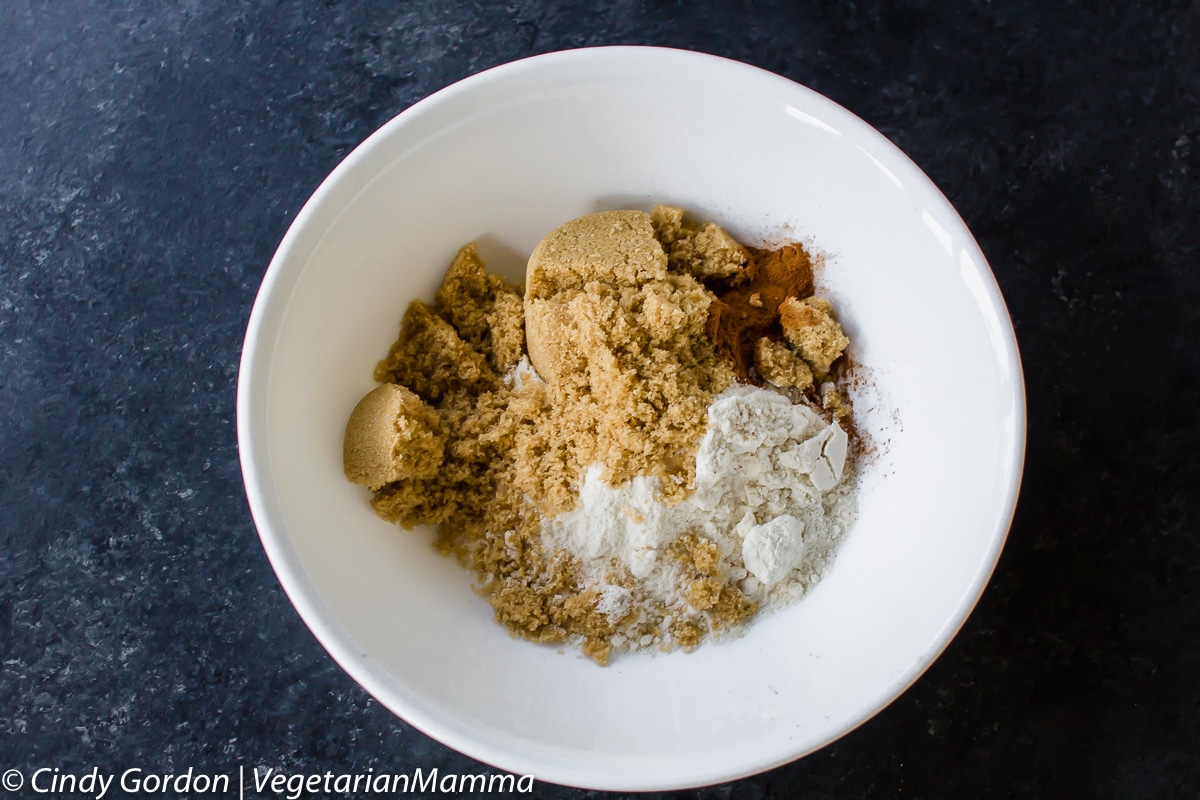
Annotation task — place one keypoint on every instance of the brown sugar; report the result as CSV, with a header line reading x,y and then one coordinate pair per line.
x,y
687,632
433,360
622,346
835,402
810,328
780,365
469,298
391,434
506,323
704,252
479,433
721,603
534,594
703,593
731,609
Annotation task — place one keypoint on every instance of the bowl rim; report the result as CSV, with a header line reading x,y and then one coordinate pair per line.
x,y
253,379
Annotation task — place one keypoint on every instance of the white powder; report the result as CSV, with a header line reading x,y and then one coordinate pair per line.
x,y
520,374
770,493
614,601
772,549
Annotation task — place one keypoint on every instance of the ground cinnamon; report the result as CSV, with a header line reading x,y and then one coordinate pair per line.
x,y
742,316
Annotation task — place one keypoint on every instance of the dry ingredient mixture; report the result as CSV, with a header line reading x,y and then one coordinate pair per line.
x,y
641,449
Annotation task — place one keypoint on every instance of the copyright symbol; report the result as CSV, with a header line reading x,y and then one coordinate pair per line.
x,y
12,780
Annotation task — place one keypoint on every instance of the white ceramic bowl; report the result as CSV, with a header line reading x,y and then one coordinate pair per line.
x,y
502,158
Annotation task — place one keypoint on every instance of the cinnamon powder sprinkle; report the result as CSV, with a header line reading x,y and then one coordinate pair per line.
x,y
742,316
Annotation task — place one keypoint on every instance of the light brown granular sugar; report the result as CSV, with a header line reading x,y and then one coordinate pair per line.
x,y
809,326
629,368
391,434
780,365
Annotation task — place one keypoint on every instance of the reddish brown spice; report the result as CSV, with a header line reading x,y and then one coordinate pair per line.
x,y
742,316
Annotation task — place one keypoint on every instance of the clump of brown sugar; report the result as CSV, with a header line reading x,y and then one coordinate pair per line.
x,y
703,251
629,370
810,328
479,433
707,590
781,366
484,310
392,434
431,359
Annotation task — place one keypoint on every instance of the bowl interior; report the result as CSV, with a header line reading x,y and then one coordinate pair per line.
x,y
503,158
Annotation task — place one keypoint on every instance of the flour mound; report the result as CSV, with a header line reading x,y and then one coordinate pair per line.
x,y
771,495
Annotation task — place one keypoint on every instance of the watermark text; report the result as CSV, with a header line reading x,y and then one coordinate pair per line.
x,y
258,781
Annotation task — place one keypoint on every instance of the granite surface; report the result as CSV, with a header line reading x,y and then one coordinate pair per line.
x,y
152,156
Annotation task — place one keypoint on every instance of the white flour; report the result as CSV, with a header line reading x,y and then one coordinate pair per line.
x,y
771,493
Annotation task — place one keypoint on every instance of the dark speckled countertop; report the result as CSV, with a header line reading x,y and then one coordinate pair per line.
x,y
152,156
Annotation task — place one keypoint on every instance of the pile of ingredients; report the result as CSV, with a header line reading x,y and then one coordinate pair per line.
x,y
645,447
